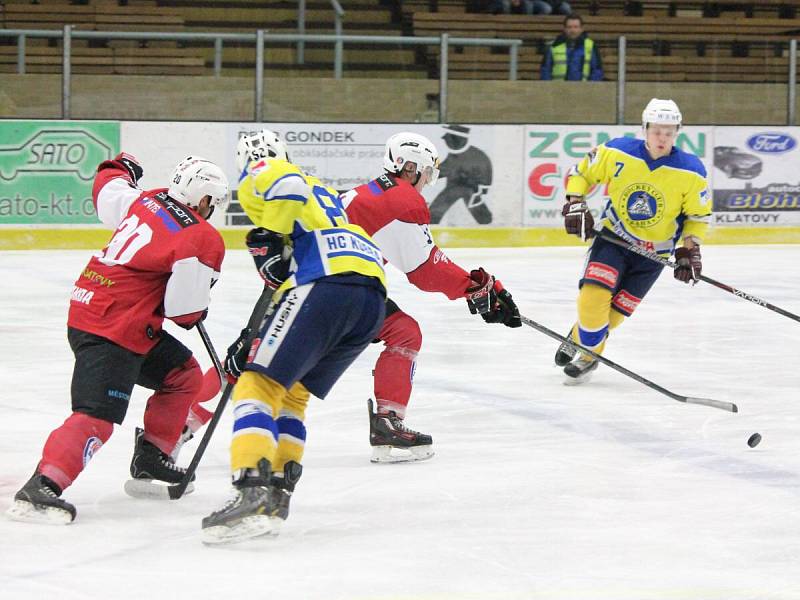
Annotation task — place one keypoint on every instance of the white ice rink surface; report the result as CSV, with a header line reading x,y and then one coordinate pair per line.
x,y
537,490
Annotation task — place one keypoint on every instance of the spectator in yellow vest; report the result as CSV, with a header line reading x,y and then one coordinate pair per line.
x,y
573,56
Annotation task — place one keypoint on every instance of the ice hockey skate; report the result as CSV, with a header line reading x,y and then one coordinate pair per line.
x,y
186,435
580,371
281,488
393,442
151,469
565,353
249,511
38,502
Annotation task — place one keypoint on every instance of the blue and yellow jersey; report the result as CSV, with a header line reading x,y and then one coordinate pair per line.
x,y
278,196
651,202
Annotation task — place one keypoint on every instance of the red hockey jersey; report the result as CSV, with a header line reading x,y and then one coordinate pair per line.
x,y
160,262
396,216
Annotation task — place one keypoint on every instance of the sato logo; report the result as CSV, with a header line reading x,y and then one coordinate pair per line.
x,y
771,143
53,151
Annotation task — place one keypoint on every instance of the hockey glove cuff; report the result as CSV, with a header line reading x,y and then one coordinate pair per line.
x,y
578,220
690,264
482,296
126,162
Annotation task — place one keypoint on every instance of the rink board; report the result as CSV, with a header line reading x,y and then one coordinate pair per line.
x,y
500,185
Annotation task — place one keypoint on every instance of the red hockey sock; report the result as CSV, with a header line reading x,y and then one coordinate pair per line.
x,y
199,416
394,371
168,408
69,448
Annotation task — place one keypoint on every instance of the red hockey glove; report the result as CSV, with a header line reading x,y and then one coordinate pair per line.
x,y
578,220
481,297
126,162
690,264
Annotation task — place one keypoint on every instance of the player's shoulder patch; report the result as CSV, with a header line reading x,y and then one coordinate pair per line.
x,y
173,211
385,183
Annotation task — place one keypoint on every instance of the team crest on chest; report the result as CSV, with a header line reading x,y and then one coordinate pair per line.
x,y
642,205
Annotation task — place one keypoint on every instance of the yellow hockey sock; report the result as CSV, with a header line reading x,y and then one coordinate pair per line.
x,y
594,306
291,427
257,400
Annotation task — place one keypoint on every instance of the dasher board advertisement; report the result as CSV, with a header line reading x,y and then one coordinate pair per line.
x,y
47,169
756,179
479,165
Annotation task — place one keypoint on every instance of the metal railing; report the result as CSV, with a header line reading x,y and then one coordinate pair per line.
x,y
338,16
259,38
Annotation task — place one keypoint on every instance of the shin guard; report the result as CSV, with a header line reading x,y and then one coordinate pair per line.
x,y
394,371
70,447
167,409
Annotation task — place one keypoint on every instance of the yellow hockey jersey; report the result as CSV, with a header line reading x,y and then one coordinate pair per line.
x,y
653,203
278,196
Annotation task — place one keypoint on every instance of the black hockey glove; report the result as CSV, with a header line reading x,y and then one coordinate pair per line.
x,y
690,264
505,312
271,255
578,220
481,297
236,358
127,162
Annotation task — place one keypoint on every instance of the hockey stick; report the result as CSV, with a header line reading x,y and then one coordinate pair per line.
x,y
729,406
201,329
254,323
667,263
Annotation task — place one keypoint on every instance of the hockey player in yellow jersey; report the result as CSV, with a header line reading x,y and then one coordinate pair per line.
x,y
658,197
330,288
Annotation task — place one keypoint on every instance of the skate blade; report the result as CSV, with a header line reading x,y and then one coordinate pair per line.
x,y
392,454
577,380
28,513
248,528
151,490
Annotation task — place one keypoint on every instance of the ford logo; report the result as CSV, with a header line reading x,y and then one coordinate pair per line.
x,y
771,143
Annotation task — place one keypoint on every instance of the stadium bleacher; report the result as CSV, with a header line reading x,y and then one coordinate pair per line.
x,y
685,40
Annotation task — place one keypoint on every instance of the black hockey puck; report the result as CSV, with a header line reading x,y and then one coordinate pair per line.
x,y
754,440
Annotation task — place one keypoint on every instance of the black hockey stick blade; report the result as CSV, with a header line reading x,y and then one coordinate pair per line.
x,y
728,406
260,311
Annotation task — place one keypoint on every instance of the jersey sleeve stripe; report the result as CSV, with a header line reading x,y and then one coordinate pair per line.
x,y
291,184
286,197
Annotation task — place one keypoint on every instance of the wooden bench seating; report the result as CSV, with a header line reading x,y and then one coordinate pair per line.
x,y
672,8
479,63
101,16
106,61
538,27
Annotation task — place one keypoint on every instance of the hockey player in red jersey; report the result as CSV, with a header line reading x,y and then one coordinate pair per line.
x,y
392,210
160,262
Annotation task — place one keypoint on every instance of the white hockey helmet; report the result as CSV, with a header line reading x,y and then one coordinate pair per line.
x,y
261,144
411,147
195,178
662,112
